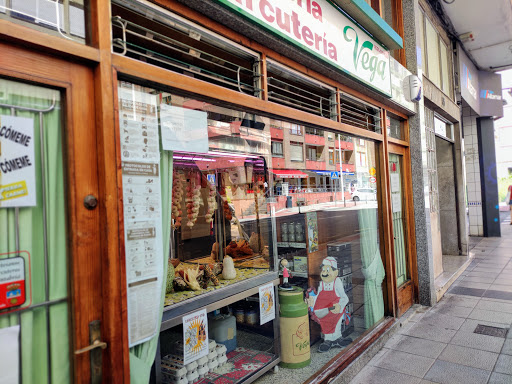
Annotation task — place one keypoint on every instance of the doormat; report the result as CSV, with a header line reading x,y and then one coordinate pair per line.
x,y
491,331
241,364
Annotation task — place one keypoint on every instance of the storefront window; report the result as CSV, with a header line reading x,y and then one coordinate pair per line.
x,y
328,232
395,127
60,18
234,219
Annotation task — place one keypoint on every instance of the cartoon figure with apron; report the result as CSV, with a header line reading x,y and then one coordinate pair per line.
x,y
327,307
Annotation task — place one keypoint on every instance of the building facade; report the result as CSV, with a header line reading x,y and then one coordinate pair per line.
x,y
173,138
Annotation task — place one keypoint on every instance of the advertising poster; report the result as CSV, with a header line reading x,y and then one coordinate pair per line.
x,y
195,336
17,162
267,307
12,282
184,129
142,201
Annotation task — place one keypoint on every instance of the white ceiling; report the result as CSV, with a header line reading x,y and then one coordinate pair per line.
x,y
490,21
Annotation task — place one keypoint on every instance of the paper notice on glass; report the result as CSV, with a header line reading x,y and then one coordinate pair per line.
x,y
267,307
183,129
140,155
138,124
17,162
396,201
141,191
143,309
9,355
195,336
395,182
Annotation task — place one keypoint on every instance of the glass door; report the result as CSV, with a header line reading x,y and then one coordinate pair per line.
x,y
50,253
399,218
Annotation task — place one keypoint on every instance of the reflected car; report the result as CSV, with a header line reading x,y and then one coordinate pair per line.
x,y
364,194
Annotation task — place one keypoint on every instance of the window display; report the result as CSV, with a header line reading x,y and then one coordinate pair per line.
x,y
239,218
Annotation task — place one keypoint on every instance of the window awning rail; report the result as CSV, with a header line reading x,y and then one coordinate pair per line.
x,y
140,42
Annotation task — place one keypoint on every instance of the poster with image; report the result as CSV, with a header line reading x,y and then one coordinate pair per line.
x,y
195,336
267,303
17,162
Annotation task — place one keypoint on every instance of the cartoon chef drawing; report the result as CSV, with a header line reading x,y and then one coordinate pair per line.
x,y
327,307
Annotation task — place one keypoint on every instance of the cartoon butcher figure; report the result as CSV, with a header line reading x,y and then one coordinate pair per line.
x,y
327,307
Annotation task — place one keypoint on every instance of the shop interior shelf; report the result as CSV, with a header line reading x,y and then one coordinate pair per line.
x,y
216,299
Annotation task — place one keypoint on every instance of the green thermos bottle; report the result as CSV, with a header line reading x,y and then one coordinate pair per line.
x,y
294,329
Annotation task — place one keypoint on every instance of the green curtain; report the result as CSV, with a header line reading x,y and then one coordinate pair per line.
x,y
372,267
34,338
142,356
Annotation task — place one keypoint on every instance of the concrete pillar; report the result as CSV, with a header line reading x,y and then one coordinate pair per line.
x,y
427,294
488,177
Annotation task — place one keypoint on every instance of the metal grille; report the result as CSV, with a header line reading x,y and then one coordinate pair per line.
x,y
491,331
63,18
294,90
431,161
181,47
359,114
46,304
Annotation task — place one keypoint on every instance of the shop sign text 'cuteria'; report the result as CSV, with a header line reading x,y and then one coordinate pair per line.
x,y
321,29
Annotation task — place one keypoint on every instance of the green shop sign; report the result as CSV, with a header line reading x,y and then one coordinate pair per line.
x,y
322,30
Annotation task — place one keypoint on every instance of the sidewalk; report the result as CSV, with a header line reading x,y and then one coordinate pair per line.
x,y
463,339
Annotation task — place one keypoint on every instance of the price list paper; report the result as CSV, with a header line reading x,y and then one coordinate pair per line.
x,y
142,202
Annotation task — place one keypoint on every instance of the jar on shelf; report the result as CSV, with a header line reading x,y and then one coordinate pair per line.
x,y
299,232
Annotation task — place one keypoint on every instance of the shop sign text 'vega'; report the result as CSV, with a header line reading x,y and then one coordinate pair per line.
x,y
321,29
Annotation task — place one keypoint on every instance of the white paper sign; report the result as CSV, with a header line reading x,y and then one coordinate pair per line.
x,y
183,129
396,201
395,182
17,162
138,123
195,336
142,201
9,355
267,307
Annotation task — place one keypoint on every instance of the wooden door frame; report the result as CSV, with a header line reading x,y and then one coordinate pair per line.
x,y
407,293
86,271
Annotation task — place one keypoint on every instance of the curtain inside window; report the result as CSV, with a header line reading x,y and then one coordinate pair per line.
x,y
373,269
34,335
142,356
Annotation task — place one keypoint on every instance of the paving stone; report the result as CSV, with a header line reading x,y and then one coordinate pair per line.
x,y
468,356
375,375
478,279
416,346
405,363
483,274
441,320
500,287
499,378
504,364
470,325
496,306
452,310
482,342
450,373
459,300
471,284
494,316
430,332
467,291
507,347
492,294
